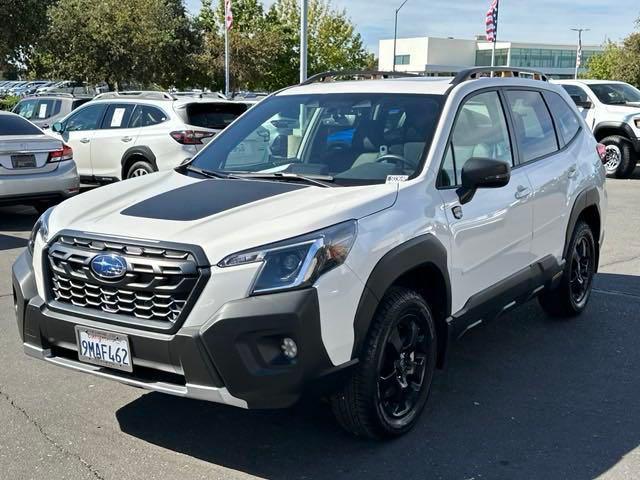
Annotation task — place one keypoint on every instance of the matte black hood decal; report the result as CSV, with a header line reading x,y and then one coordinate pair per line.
x,y
205,198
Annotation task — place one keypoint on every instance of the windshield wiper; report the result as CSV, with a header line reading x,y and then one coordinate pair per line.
x,y
211,173
324,181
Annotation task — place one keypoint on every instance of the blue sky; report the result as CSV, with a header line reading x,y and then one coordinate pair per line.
x,y
545,21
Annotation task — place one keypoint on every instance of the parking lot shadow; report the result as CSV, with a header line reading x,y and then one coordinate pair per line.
x,y
525,397
8,242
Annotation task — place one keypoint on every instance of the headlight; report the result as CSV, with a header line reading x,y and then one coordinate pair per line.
x,y
298,262
41,226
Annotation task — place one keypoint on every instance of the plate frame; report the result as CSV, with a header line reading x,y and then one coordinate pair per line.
x,y
110,336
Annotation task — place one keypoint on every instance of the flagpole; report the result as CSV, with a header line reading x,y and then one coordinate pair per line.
x,y
495,36
227,84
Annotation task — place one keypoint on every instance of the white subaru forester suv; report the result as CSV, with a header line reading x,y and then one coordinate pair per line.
x,y
387,217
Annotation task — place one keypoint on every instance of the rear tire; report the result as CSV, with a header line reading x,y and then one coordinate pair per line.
x,y
139,168
570,298
621,161
390,386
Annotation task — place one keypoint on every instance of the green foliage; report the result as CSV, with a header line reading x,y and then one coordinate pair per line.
x,y
264,45
618,62
133,41
22,22
7,103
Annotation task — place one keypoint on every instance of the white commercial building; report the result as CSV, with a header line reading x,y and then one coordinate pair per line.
x,y
445,56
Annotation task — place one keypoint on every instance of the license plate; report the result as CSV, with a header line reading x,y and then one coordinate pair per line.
x,y
104,348
23,161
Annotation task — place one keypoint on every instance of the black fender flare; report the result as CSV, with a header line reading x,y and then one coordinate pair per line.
x,y
418,252
622,127
585,199
142,151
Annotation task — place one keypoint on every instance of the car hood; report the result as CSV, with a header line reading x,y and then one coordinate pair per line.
x,y
222,216
630,110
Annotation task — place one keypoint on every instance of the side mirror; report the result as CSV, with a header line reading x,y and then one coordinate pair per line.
x,y
586,104
57,127
482,173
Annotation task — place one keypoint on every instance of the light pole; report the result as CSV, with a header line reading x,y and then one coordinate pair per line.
x,y
395,34
304,7
579,52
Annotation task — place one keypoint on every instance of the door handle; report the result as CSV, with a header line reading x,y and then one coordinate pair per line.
x,y
84,140
522,192
573,171
126,139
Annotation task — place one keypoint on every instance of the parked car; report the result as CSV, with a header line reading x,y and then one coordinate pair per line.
x,y
347,272
6,89
35,168
612,111
31,87
122,135
46,109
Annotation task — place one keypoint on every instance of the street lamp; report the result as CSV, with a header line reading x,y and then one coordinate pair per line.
x,y
579,52
395,34
303,39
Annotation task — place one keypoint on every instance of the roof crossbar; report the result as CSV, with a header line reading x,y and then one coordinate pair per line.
x,y
149,95
333,75
498,72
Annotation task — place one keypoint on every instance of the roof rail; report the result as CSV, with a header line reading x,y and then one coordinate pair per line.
x,y
138,94
218,95
54,94
500,72
358,74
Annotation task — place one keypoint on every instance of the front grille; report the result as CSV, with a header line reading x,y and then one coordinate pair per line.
x,y
157,286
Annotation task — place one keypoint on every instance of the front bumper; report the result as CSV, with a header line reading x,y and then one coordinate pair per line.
x,y
235,358
57,184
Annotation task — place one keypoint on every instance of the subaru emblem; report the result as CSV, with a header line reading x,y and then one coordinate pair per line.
x,y
109,267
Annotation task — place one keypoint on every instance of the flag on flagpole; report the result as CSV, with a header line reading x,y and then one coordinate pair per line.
x,y
228,14
492,22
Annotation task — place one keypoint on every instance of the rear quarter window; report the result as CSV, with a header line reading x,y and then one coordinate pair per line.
x,y
16,125
213,115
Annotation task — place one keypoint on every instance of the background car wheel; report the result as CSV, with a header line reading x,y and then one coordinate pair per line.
x,y
620,161
570,298
139,169
390,386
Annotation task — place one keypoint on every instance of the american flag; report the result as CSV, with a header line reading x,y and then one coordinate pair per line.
x,y
228,14
492,21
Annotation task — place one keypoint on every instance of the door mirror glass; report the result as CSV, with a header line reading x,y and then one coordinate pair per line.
x,y
482,173
580,102
57,127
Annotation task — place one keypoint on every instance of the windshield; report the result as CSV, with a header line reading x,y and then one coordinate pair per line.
x,y
616,93
354,138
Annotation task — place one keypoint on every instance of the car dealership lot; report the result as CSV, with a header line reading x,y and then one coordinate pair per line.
x,y
525,397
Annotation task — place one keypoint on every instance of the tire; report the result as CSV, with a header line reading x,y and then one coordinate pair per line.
x,y
621,161
139,168
371,404
570,298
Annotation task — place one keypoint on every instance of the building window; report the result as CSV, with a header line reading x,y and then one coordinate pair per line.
x,y
403,59
483,57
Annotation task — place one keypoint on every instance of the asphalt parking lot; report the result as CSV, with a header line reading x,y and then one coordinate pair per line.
x,y
525,397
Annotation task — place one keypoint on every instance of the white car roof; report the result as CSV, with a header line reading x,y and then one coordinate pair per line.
x,y
587,82
423,85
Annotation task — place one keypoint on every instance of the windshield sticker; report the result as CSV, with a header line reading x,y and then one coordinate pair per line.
x,y
397,178
118,114
42,112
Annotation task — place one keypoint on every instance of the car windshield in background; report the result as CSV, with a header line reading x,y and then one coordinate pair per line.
x,y
616,93
214,115
15,125
350,138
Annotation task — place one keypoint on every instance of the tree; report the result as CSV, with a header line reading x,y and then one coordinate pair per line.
x,y
22,22
135,41
265,44
618,62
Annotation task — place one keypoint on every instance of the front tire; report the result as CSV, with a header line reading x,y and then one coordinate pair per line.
x,y
390,386
570,298
620,161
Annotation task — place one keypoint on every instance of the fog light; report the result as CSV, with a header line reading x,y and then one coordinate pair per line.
x,y
289,348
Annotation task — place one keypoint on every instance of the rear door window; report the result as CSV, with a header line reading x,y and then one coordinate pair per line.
x,y
146,116
567,122
16,125
47,108
117,116
214,115
533,125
